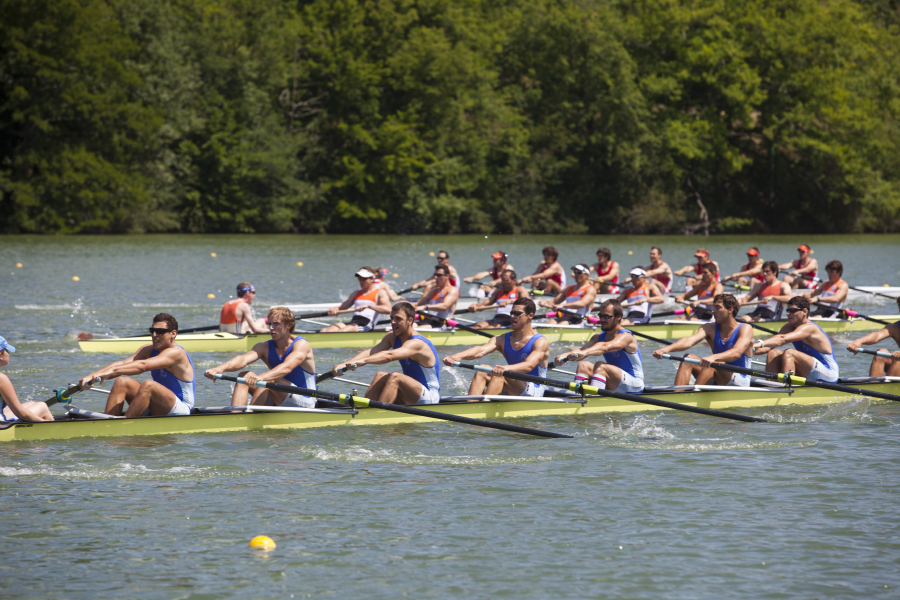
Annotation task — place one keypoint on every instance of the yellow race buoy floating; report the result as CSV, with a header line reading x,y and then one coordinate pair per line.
x,y
18,265
299,264
885,285
213,254
76,278
210,295
262,542
431,254
395,276
630,253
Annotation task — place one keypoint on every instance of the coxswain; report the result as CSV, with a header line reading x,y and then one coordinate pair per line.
x,y
705,291
881,366
607,270
811,357
659,272
770,295
731,343
11,408
493,273
440,300
420,381
368,302
237,314
549,276
577,298
526,351
381,274
622,370
806,266
504,296
170,391
443,258
639,299
751,271
832,292
702,256
289,359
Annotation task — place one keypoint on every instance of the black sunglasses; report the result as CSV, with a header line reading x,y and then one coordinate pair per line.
x,y
159,330
792,310
516,313
603,317
506,280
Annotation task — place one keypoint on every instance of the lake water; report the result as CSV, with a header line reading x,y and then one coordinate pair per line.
x,y
661,505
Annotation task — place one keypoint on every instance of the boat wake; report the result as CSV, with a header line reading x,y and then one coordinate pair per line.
x,y
358,454
46,306
121,471
854,409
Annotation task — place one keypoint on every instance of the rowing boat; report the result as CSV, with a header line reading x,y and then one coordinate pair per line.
x,y
229,342
492,407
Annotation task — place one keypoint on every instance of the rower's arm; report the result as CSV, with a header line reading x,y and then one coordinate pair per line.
x,y
386,342
786,294
477,276
8,392
787,265
540,349
143,352
422,283
237,363
299,353
841,294
449,300
407,350
873,338
473,352
689,294
163,360
657,271
684,270
754,293
613,273
246,315
812,266
682,344
780,339
655,296
383,303
748,273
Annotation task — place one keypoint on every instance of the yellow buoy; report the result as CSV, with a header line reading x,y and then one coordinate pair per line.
x,y
213,254
395,276
76,278
299,264
431,254
630,253
18,265
262,542
210,295
885,285
812,251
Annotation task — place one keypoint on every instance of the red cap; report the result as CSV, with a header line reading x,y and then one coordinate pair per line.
x,y
699,254
498,255
804,248
753,252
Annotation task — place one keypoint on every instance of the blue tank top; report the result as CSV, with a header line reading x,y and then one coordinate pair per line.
x,y
720,346
299,376
430,377
628,362
2,416
514,357
827,359
183,390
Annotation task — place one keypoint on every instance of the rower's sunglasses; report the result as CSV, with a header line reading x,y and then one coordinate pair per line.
x,y
603,317
443,257
506,280
516,313
159,330
792,310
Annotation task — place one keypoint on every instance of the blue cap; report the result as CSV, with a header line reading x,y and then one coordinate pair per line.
x,y
4,345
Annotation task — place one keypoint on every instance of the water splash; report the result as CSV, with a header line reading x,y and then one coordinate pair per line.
x,y
357,454
122,471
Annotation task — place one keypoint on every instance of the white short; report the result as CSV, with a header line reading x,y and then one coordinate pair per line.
x,y
533,390
180,408
298,401
821,372
739,380
630,384
429,396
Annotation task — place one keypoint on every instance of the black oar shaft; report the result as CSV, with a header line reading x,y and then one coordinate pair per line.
x,y
620,395
331,374
329,399
761,328
64,395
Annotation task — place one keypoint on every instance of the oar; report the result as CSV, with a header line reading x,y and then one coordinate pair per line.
x,y
854,314
189,330
452,323
878,353
581,388
737,286
854,288
64,395
331,373
406,291
667,342
356,400
761,328
788,378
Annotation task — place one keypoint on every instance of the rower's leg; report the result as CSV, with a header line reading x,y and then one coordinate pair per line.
x,y
241,390
513,387
39,410
685,370
884,366
400,389
495,385
377,385
124,388
606,376
893,369
552,287
481,325
479,382
798,362
774,362
152,396
743,281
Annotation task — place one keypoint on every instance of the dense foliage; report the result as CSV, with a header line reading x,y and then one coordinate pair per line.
x,y
449,115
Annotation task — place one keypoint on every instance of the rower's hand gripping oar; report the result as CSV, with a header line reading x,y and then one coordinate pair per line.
x,y
358,401
589,389
65,395
788,378
331,373
451,323
878,353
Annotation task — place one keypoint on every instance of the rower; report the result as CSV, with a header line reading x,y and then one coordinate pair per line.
x,y
623,369
443,258
237,314
771,294
702,256
11,409
509,292
526,351
440,300
380,274
639,298
289,359
811,357
607,270
751,271
368,303
706,291
549,276
494,272
881,366
731,343
659,273
577,298
420,381
833,292
802,266
170,391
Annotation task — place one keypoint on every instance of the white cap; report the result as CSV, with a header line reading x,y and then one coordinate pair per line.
x,y
581,268
365,273
639,272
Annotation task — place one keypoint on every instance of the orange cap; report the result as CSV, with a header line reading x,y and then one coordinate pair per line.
x,y
753,252
699,254
498,255
804,248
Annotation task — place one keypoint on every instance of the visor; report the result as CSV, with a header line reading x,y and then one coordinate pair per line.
x,y
4,345
804,248
752,252
249,288
498,255
581,269
638,272
365,273
699,254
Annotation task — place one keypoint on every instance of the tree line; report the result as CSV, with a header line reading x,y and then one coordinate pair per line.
x,y
449,116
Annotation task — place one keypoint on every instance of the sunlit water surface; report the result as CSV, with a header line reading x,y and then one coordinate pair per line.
x,y
661,505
